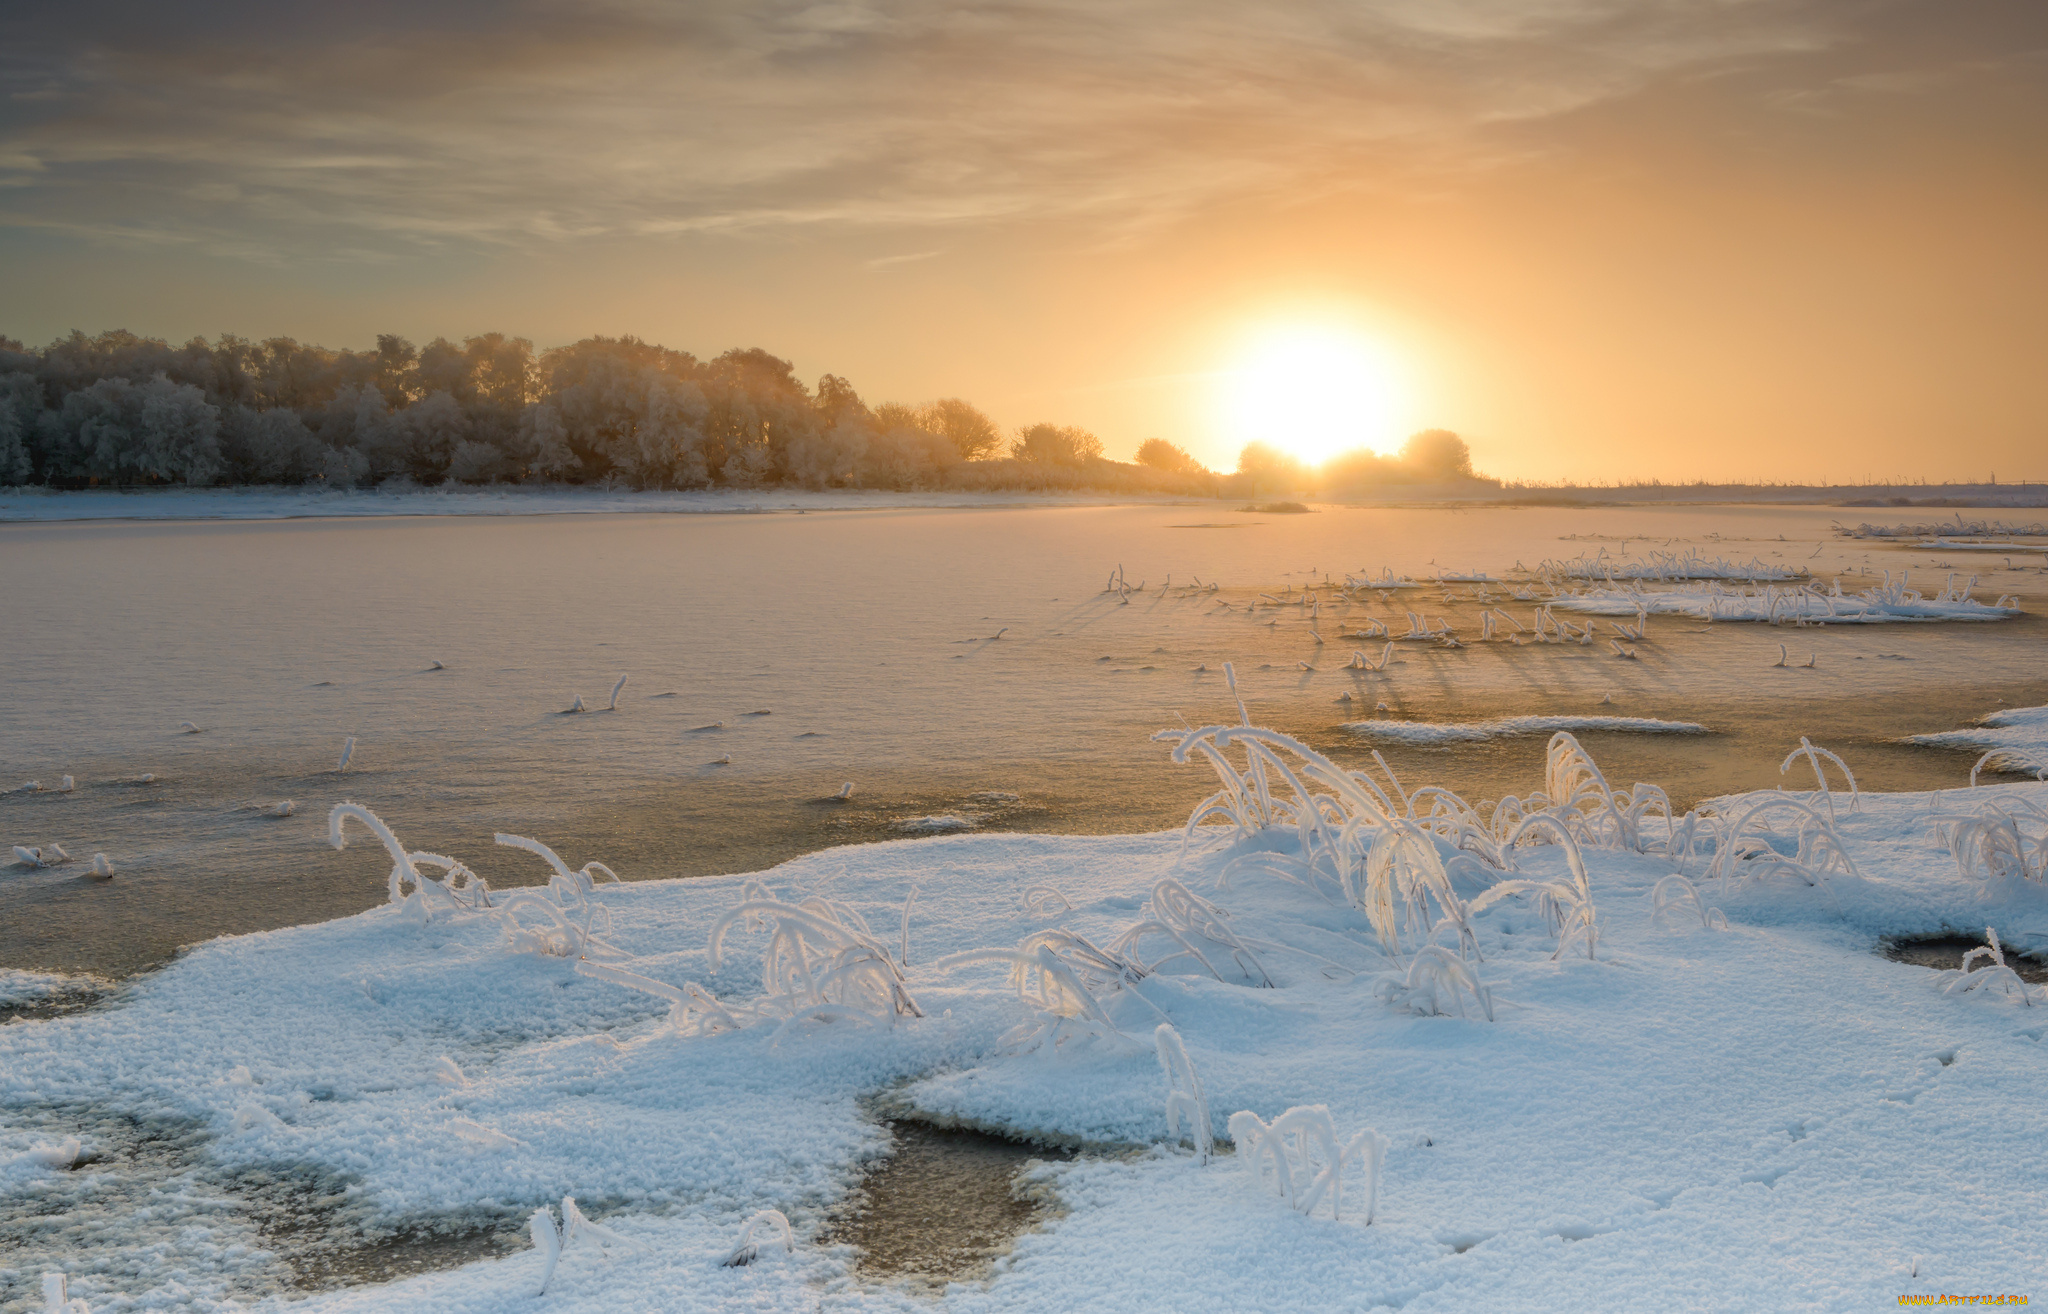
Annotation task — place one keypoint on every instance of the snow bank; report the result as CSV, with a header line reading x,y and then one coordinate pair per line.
x,y
1760,1117
1433,732
2019,736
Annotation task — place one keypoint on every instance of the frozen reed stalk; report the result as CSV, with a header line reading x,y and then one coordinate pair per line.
x,y
749,1249
28,857
436,666
1990,847
404,865
284,807
1044,901
186,727
348,750
903,952
1996,973
613,705
57,1297
1811,659
725,760
1813,756
845,791
1434,975
101,868
1781,657
1184,1098
548,1240
1300,1149
448,1072
1980,766
1674,893
577,706
64,786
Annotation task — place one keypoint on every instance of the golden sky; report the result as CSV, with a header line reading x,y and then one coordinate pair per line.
x,y
1603,239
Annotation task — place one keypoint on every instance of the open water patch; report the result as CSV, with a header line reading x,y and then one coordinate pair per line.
x,y
944,1204
1945,953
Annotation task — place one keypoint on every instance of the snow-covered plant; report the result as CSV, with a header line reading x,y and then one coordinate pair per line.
x,y
1993,848
1045,901
1182,916
749,1248
1676,894
425,892
1061,976
1434,976
1814,755
820,962
552,1241
1994,975
584,879
1566,905
693,1010
1742,847
1299,1153
1607,818
1184,1098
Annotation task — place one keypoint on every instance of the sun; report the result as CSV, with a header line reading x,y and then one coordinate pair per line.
x,y
1314,391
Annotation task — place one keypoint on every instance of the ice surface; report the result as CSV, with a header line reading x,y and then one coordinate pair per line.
x,y
1429,732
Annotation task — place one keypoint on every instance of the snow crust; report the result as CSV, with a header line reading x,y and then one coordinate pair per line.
x,y
1435,732
1764,1117
2019,735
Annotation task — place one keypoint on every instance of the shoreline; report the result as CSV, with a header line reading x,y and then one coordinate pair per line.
x,y
40,505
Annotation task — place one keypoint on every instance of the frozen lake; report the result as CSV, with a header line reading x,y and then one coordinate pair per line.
x,y
834,646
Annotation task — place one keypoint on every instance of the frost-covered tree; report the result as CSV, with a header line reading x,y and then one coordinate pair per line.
x,y
420,440
1163,455
21,404
1437,455
125,432
15,463
1055,444
540,443
269,447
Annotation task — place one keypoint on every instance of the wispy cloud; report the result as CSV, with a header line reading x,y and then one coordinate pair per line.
x,y
383,129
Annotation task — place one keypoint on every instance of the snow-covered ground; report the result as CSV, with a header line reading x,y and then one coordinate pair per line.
x,y
2017,735
1763,1116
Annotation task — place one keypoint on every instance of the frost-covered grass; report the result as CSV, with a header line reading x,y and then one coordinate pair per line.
x,y
1653,1112
1945,528
1690,564
1892,601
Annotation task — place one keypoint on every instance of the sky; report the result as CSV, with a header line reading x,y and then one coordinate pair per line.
x,y
1601,239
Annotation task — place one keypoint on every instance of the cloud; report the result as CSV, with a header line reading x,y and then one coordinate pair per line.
x,y
383,128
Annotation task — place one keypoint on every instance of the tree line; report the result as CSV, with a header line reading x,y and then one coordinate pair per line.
x,y
120,409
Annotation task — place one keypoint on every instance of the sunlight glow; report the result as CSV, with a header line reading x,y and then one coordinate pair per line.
x,y
1314,391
